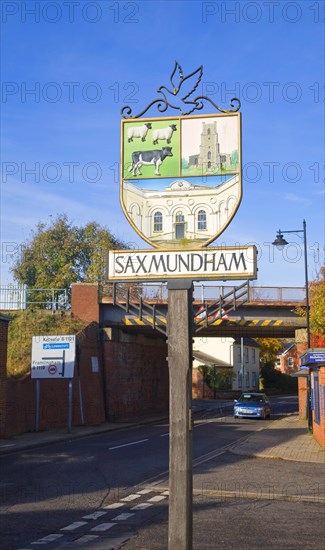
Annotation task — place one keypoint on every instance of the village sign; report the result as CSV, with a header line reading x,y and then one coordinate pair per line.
x,y
181,185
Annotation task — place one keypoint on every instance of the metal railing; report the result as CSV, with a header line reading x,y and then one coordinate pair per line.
x,y
158,293
21,297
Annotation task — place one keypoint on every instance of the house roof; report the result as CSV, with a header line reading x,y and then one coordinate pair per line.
x,y
210,360
286,346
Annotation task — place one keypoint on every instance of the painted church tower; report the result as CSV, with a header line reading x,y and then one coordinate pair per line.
x,y
209,149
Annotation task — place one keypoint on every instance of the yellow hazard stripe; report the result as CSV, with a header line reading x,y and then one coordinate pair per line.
x,y
145,320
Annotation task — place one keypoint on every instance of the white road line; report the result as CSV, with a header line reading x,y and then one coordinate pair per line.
x,y
94,515
142,506
127,444
114,505
164,435
74,526
130,498
103,527
86,538
123,517
144,491
157,498
48,538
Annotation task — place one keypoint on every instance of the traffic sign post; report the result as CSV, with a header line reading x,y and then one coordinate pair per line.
x,y
53,356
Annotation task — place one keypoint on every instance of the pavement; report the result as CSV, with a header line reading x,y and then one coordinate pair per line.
x,y
285,439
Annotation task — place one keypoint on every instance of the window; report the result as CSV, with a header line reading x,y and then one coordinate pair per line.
x,y
209,164
157,222
278,362
254,379
209,131
180,217
247,380
239,354
253,355
240,380
290,361
209,155
202,220
246,355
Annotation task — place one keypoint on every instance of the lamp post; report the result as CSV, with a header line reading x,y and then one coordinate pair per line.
x,y
280,242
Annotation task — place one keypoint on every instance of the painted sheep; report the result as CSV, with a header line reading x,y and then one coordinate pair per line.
x,y
138,132
163,133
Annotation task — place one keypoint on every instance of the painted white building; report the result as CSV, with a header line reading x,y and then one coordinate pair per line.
x,y
182,210
242,354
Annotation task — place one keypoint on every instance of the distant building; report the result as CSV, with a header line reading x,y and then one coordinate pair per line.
x,y
240,355
287,361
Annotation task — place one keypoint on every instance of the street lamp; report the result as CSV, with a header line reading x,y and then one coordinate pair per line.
x,y
280,242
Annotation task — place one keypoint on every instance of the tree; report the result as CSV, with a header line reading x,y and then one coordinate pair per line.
x,y
269,349
317,305
60,253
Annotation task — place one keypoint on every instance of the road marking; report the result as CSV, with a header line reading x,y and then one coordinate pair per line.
x,y
157,498
127,444
74,525
86,538
144,491
103,527
165,435
48,538
142,506
113,506
130,497
123,517
94,515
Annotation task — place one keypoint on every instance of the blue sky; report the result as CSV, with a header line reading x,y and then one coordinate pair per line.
x,y
60,144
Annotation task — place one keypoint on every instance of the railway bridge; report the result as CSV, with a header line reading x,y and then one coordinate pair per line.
x,y
244,310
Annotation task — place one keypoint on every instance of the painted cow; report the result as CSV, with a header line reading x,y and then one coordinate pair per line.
x,y
140,158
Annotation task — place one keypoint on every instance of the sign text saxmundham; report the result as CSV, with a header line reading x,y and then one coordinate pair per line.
x,y
209,263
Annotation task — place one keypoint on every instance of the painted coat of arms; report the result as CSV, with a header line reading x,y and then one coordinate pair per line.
x,y
181,179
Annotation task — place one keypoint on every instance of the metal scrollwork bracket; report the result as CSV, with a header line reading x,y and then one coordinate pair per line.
x,y
179,96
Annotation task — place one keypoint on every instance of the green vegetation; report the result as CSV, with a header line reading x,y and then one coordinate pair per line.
x,y
28,323
317,304
269,350
271,379
60,253
217,378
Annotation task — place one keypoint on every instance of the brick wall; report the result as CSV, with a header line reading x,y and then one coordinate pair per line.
x,y
302,397
137,381
4,322
20,405
84,302
131,382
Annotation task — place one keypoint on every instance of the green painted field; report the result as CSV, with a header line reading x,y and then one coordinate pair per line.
x,y
170,166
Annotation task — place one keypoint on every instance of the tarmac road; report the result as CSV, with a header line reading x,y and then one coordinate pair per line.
x,y
110,490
